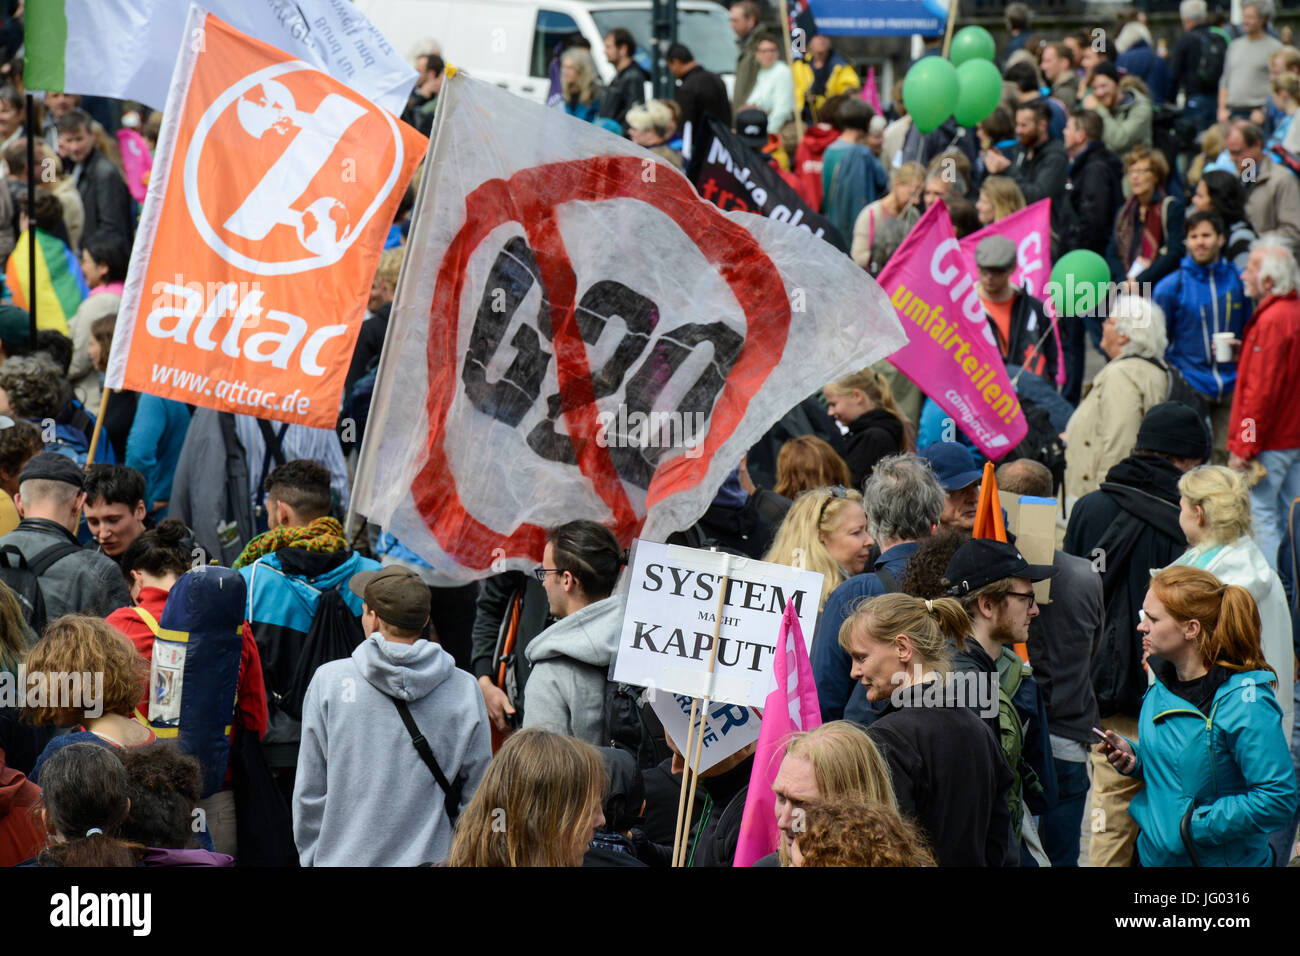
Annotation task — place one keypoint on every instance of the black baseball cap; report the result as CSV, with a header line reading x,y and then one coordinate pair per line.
x,y
751,127
982,561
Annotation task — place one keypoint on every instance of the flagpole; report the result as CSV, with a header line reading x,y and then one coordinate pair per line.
x,y
99,426
31,218
785,29
385,353
690,773
947,31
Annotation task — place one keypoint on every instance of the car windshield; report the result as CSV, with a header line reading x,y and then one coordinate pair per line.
x,y
706,33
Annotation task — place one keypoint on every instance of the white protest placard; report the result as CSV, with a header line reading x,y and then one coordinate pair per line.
x,y
669,624
729,727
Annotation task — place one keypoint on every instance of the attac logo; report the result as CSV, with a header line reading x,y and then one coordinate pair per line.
x,y
317,190
274,188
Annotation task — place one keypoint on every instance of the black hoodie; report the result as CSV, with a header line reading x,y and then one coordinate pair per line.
x,y
1126,528
871,437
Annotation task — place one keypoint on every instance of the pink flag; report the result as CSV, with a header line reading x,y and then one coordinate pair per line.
x,y
1031,230
791,707
871,92
136,161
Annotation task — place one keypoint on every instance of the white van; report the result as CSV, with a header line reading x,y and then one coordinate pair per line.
x,y
510,42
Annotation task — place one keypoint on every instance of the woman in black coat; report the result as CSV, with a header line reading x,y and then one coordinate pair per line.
x,y
864,403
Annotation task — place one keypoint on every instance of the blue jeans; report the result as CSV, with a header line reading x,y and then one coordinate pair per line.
x,y
1058,828
1270,500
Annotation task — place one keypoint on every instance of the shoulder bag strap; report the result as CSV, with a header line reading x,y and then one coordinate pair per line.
x,y
452,801
54,553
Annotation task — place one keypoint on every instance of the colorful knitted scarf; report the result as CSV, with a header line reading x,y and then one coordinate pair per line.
x,y
323,534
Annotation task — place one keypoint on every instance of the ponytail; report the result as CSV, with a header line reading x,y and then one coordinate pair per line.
x,y
930,624
1235,642
84,792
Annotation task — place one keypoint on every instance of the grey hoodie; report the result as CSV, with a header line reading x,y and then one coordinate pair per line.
x,y
363,796
570,661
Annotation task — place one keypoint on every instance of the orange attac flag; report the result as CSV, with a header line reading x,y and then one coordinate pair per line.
x,y
988,515
272,192
990,524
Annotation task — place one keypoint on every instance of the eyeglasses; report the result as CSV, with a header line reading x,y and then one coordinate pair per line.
x,y
541,573
1029,595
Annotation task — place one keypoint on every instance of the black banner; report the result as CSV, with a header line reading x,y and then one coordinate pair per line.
x,y
731,175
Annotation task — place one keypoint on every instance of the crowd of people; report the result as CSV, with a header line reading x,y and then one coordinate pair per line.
x,y
228,674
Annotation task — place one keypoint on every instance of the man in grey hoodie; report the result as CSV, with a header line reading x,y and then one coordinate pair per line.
x,y
362,796
570,659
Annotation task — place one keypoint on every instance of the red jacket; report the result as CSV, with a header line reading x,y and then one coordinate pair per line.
x,y
250,700
22,835
808,162
1266,402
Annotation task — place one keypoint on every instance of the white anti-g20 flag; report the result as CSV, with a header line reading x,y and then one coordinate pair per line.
x,y
576,334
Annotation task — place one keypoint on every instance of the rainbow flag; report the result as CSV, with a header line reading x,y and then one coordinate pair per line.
x,y
60,285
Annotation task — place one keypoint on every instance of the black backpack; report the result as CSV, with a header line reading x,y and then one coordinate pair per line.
x,y
334,634
1180,390
628,724
1042,443
1213,54
23,578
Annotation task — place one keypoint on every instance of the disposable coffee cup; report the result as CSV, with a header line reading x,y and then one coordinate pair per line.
x,y
1223,346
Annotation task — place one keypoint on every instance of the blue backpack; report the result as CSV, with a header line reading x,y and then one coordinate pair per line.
x,y
194,668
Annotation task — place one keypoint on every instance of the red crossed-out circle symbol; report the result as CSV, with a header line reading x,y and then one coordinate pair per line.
x,y
531,198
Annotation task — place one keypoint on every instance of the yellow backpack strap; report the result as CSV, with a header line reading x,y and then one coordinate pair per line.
x,y
181,637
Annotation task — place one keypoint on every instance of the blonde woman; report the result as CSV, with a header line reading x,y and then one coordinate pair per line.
x,y
539,804
904,189
948,771
864,404
1286,96
578,80
825,531
837,759
1215,517
999,197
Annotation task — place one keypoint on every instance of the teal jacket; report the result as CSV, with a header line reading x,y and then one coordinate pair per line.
x,y
1232,769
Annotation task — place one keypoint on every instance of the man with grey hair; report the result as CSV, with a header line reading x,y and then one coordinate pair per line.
x,y
1265,431
1196,63
1272,193
1062,639
72,579
1101,432
1245,86
903,501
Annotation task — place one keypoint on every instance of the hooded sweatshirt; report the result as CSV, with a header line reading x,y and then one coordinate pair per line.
x,y
570,662
1243,564
363,796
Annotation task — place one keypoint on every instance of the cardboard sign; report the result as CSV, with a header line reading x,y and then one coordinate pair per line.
x,y
729,726
670,620
1033,522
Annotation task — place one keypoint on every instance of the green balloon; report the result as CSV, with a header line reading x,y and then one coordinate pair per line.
x,y
972,43
1079,284
979,91
930,92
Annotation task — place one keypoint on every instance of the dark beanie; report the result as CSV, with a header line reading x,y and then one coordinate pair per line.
x,y
1106,68
1173,428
